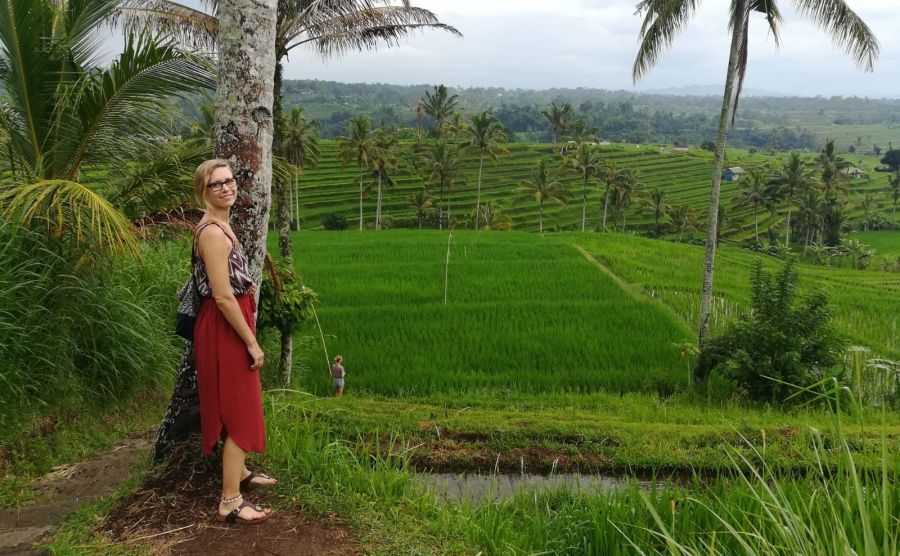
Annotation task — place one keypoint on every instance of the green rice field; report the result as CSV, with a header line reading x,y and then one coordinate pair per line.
x,y
541,313
684,176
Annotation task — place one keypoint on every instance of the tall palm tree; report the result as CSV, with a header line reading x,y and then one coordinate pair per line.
x,y
62,112
893,189
485,138
384,162
300,147
246,47
441,164
870,204
559,118
655,200
664,19
421,202
606,171
625,186
584,161
811,211
359,146
543,187
753,194
683,217
439,104
581,131
795,177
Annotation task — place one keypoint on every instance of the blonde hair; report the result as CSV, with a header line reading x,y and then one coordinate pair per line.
x,y
338,358
202,175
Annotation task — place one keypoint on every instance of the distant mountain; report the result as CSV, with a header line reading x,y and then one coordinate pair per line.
x,y
709,91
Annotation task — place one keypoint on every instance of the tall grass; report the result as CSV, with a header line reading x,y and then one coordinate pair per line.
x,y
830,510
71,333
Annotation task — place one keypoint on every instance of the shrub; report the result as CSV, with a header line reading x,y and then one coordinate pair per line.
x,y
779,345
335,221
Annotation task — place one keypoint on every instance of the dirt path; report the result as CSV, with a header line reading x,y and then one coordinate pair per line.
x,y
172,513
67,488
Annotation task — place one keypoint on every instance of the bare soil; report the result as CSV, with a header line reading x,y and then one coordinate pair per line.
x,y
175,513
172,513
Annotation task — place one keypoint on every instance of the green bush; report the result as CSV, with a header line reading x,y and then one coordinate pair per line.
x,y
335,221
778,345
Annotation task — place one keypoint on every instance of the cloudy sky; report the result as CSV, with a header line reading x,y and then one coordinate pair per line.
x,y
591,43
539,44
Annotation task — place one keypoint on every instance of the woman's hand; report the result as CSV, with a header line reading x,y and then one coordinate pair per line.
x,y
256,355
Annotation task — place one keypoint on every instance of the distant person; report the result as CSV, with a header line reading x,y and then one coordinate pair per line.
x,y
227,353
337,375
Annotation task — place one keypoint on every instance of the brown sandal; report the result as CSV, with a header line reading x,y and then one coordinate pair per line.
x,y
247,484
234,515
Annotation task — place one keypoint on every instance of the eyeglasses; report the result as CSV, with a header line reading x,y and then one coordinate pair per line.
x,y
216,186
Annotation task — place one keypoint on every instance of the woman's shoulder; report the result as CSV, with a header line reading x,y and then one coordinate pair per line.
x,y
211,235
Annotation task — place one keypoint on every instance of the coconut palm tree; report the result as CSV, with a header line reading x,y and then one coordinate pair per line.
x,y
655,201
384,162
581,131
441,164
439,104
300,147
584,161
543,187
753,194
486,137
559,118
625,187
664,19
493,217
683,217
810,211
421,201
359,146
61,113
870,204
893,189
606,171
795,177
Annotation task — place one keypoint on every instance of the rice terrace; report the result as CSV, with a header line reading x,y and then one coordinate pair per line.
x,y
578,303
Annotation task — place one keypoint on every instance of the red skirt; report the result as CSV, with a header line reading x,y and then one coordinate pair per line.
x,y
230,391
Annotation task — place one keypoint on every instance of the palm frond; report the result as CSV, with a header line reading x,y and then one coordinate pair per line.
x,y
120,105
845,28
663,21
69,208
187,25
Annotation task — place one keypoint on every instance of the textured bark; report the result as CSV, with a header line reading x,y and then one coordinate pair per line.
x,y
244,99
713,224
478,195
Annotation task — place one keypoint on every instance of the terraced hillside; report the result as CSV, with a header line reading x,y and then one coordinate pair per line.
x,y
684,176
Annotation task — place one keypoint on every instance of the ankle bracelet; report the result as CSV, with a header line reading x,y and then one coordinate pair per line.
x,y
230,500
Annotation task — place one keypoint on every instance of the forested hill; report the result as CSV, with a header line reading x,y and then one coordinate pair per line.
x,y
793,122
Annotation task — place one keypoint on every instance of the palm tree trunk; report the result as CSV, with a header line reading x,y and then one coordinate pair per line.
x,y
541,218
681,234
605,206
584,204
295,201
756,224
360,199
787,231
478,195
724,121
244,103
378,205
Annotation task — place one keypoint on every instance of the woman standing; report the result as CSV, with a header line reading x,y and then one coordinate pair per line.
x,y
337,376
227,354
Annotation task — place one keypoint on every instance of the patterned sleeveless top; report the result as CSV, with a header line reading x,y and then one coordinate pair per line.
x,y
238,267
